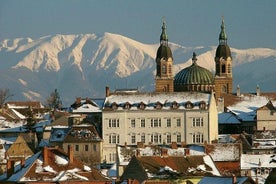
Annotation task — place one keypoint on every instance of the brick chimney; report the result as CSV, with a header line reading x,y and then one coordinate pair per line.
x,y
70,154
187,151
107,91
10,168
174,145
46,156
164,152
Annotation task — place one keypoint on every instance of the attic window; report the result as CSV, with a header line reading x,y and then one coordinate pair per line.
x,y
158,105
114,106
189,105
127,106
142,106
202,105
175,105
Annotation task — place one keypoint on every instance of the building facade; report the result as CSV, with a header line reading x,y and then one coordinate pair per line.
x,y
158,118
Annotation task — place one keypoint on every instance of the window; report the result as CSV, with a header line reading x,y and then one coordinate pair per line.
x,y
86,147
169,122
133,139
155,122
198,138
164,69
113,123
178,122
114,138
76,147
197,122
143,123
156,138
94,147
169,138
142,106
223,68
132,123
143,138
178,137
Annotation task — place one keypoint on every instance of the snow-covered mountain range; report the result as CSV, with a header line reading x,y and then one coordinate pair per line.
x,y
82,65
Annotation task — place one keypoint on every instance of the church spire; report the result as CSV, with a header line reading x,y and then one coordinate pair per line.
x,y
222,35
164,36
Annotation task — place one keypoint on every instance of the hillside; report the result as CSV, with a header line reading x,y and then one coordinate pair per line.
x,y
82,65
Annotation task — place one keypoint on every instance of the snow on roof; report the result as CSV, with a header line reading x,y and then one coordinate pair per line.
x,y
150,99
256,161
28,163
86,108
208,161
227,118
246,108
225,152
21,116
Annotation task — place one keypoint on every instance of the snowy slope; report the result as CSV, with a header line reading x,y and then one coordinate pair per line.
x,y
82,65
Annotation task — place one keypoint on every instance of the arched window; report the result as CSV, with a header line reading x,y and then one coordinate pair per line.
x,y
223,70
164,69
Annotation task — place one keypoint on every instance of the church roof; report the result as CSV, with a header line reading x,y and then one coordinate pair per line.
x,y
194,74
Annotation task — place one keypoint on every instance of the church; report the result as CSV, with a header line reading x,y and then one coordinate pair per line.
x,y
194,78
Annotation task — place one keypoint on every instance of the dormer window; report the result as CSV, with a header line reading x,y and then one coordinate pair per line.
x,y
189,105
202,105
114,106
158,105
127,105
175,105
142,106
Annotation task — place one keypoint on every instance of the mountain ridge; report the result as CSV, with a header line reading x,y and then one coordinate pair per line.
x,y
82,65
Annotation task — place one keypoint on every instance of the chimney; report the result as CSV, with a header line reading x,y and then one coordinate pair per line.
x,y
234,179
140,145
164,152
70,154
187,152
174,145
46,156
10,168
107,91
238,91
258,90
138,153
22,162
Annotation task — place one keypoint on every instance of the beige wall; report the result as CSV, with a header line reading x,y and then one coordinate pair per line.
x,y
266,119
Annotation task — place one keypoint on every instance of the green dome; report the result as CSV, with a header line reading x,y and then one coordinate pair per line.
x,y
194,74
223,51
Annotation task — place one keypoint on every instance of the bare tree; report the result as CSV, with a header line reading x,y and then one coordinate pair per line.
x,y
4,95
54,100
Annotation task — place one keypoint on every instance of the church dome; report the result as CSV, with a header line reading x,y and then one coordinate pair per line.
x,y
164,51
223,51
193,75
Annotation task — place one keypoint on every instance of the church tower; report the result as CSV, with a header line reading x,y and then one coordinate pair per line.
x,y
223,62
164,64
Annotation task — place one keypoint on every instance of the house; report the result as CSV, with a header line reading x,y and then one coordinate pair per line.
x,y
157,118
264,142
257,166
266,117
52,165
169,168
86,142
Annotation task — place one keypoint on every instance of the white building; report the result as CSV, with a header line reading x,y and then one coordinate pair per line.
x,y
157,118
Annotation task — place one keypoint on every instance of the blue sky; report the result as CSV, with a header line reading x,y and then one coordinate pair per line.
x,y
249,23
